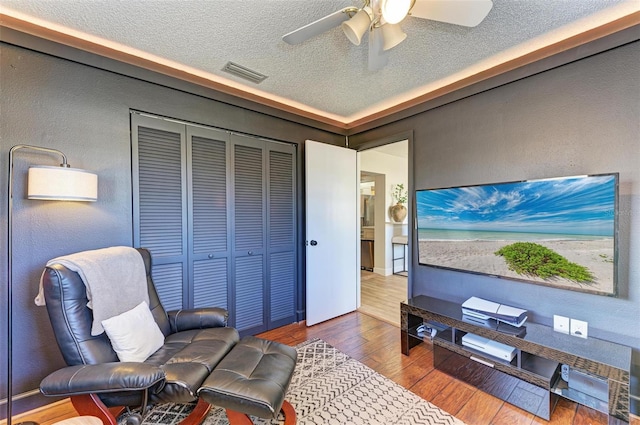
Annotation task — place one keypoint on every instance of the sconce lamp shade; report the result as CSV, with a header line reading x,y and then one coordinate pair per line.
x,y
357,26
62,184
392,35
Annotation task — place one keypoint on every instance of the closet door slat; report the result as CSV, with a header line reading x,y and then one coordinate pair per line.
x,y
209,208
160,204
281,236
249,234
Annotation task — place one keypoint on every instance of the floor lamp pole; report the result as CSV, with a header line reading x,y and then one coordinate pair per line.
x,y
10,271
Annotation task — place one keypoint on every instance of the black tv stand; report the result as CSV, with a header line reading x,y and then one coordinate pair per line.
x,y
531,380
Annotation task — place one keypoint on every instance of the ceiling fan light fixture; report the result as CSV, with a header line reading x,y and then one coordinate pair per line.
x,y
357,26
394,11
392,36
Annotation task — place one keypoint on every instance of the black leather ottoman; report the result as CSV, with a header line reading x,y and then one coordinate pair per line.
x,y
252,379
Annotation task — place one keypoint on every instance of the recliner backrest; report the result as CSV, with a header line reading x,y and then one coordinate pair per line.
x,y
71,319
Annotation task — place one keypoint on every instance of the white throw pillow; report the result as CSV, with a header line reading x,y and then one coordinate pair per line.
x,y
134,334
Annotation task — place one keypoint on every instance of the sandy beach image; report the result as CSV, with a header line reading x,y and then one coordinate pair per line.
x,y
557,232
479,256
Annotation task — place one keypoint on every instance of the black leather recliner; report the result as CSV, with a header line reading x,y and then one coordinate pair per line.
x,y
196,340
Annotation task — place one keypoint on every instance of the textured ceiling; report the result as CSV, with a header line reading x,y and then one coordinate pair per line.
x,y
325,74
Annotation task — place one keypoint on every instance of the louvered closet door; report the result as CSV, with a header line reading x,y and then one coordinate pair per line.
x,y
249,234
160,203
281,234
209,257
218,213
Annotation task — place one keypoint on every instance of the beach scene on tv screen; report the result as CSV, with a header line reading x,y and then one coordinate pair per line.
x,y
555,232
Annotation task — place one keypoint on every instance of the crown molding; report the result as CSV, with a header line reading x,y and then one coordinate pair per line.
x,y
344,125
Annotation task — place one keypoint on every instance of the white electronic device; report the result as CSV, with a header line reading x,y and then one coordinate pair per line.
x,y
426,330
489,347
484,310
564,372
473,318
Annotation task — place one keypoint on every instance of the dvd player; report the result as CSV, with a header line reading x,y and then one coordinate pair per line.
x,y
489,347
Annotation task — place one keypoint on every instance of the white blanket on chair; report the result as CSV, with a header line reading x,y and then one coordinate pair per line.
x,y
115,279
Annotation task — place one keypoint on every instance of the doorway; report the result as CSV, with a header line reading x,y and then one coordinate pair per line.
x,y
381,291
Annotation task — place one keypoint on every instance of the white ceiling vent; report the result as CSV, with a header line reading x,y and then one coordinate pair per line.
x,y
244,72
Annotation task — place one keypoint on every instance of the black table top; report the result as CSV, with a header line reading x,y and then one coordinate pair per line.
x,y
597,350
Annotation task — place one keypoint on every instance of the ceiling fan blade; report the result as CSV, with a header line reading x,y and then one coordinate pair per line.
x,y
468,13
378,57
319,26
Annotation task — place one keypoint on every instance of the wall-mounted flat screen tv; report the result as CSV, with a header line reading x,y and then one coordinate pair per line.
x,y
559,232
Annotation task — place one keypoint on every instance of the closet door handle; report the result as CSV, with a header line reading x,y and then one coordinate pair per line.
x,y
210,256
314,243
250,252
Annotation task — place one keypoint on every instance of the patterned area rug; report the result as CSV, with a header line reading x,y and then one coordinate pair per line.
x,y
328,387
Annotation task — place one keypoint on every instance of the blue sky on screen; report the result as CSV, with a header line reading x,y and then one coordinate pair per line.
x,y
574,205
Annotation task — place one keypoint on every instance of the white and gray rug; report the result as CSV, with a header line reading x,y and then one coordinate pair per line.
x,y
329,387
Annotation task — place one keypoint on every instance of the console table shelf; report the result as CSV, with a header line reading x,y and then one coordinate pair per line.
x,y
532,379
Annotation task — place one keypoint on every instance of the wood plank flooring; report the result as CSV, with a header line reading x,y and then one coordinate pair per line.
x,y
46,415
376,343
380,296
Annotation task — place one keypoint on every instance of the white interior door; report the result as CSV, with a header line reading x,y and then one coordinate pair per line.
x,y
331,231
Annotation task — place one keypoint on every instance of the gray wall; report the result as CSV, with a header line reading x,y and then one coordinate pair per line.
x,y
580,118
83,112
583,117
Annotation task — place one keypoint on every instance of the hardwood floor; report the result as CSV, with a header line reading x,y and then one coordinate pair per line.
x,y
376,343
47,415
380,296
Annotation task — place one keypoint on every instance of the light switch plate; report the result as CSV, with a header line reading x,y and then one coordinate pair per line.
x,y
561,324
579,328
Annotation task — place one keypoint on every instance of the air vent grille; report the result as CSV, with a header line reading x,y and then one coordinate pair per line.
x,y
244,72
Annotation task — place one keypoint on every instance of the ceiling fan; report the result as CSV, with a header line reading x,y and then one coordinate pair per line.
x,y
380,19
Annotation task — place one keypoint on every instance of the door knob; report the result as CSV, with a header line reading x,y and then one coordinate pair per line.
x,y
314,243
250,252
210,256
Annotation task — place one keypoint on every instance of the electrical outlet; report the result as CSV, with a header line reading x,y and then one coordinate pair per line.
x,y
561,324
579,328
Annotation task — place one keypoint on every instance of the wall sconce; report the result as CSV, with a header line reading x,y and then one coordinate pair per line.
x,y
44,183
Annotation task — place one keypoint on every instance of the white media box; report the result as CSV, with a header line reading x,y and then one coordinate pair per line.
x,y
484,309
489,347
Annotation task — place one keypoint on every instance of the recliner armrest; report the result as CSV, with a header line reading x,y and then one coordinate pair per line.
x,y
197,318
102,378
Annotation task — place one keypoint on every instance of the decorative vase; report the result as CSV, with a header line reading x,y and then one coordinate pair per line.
x,y
398,213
